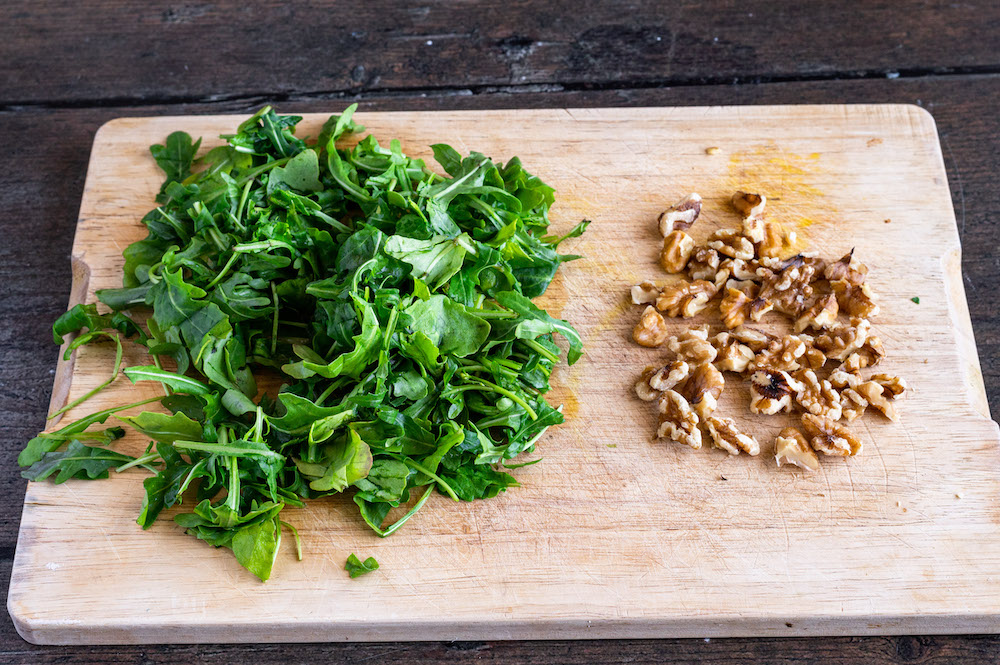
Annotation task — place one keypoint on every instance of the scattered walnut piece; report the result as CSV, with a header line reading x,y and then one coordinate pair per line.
x,y
725,435
730,243
749,205
852,404
704,264
655,380
643,390
703,388
681,215
873,393
693,346
829,438
856,301
771,392
652,329
894,385
870,354
788,289
645,293
732,356
677,249
735,307
817,396
772,240
678,421
821,315
847,269
685,299
740,269
842,340
781,355
791,447
757,340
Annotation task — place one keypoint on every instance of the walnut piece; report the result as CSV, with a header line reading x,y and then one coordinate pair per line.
x,y
821,315
781,355
874,394
856,301
740,269
693,346
817,396
703,388
847,269
735,306
655,380
772,239
678,421
842,340
791,447
652,329
852,404
893,385
681,215
789,289
645,293
685,299
732,356
726,436
757,340
677,249
771,392
748,204
730,243
704,264
829,438
870,354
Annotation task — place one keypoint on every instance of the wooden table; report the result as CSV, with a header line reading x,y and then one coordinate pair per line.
x,y
69,67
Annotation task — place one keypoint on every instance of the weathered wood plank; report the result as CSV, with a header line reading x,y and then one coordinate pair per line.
x,y
166,50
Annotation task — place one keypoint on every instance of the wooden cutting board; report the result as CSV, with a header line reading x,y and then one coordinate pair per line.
x,y
613,535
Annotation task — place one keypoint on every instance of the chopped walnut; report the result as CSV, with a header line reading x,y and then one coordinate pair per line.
x,y
788,289
781,355
652,329
677,249
749,205
772,239
771,392
678,421
869,355
732,356
655,380
817,396
856,301
847,269
740,269
704,264
822,314
874,394
852,404
754,228
813,358
681,215
757,340
842,340
840,378
894,385
693,346
685,299
645,293
829,438
791,447
703,388
726,436
730,243
735,307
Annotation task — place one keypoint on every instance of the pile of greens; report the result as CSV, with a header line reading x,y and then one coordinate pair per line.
x,y
391,304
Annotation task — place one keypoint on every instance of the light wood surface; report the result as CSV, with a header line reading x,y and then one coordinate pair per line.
x,y
612,535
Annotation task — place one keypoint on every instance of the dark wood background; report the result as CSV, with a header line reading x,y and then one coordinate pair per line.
x,y
67,67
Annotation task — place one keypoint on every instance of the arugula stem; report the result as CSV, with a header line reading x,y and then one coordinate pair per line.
x,y
224,271
140,461
295,535
402,520
243,200
492,313
274,325
492,387
114,375
430,474
541,350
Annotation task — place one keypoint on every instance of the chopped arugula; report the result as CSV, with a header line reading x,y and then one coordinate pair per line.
x,y
355,567
392,304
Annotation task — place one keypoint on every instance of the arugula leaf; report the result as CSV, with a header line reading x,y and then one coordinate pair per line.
x,y
433,261
174,158
355,567
77,461
449,326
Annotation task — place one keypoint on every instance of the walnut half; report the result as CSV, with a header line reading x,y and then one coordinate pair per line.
x,y
681,215
830,438
678,421
652,329
726,436
677,249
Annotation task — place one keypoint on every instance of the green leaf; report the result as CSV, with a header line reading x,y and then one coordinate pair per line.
x,y
433,261
163,427
341,464
174,158
301,172
355,567
535,321
299,414
178,382
77,461
450,326
256,547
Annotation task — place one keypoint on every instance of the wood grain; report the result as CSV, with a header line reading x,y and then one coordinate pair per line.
x,y
893,548
162,51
